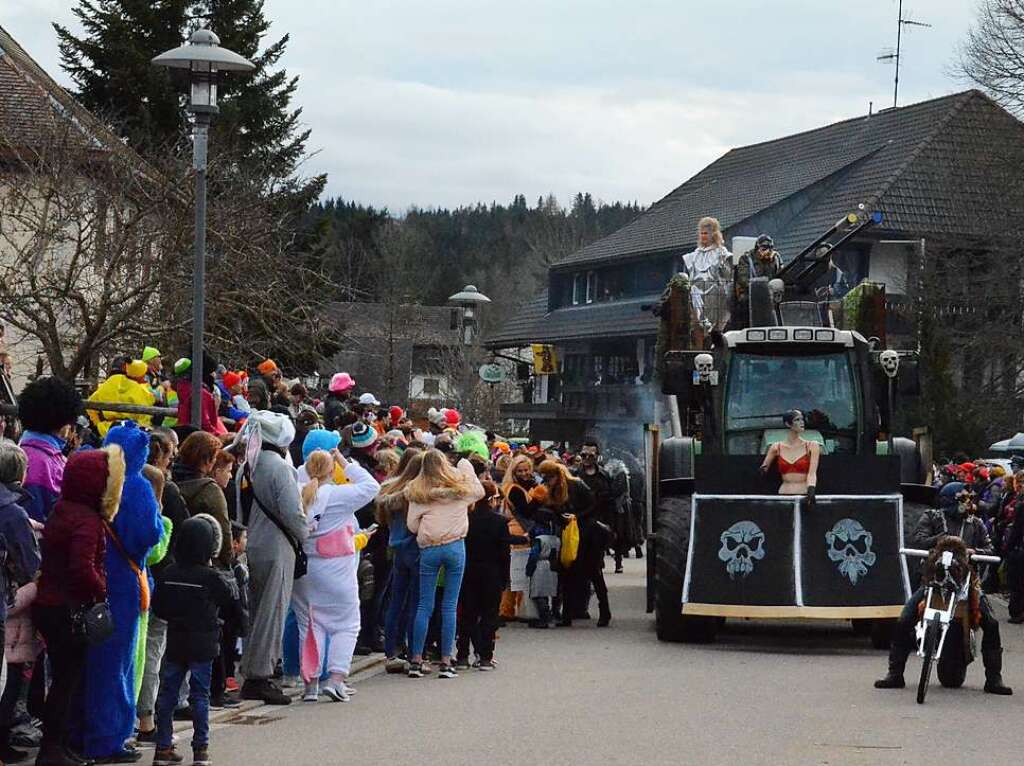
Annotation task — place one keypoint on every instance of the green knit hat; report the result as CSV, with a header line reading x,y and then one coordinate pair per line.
x,y
149,353
182,366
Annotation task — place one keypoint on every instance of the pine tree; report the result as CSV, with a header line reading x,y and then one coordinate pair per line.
x,y
110,67
257,123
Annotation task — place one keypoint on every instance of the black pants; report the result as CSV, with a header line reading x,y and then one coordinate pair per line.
x,y
1015,582
903,641
478,616
577,582
16,683
67,662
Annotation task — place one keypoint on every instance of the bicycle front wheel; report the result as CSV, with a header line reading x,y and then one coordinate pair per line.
x,y
931,645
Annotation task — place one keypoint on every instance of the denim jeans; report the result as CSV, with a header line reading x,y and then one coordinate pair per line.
x,y
171,676
452,557
405,588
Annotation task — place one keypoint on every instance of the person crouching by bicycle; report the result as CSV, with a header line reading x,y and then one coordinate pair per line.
x,y
954,520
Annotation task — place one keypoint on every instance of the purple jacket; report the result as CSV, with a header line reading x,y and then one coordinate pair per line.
x,y
45,473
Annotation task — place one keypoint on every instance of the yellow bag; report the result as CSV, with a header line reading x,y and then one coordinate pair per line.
x,y
570,543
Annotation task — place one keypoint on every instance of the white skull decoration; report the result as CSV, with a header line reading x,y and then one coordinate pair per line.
x,y
849,545
742,545
890,361
777,288
704,364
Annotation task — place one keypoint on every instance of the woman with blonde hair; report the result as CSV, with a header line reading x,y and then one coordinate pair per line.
x,y
516,505
326,600
391,510
439,499
709,268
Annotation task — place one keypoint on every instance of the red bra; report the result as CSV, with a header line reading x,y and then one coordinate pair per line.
x,y
800,465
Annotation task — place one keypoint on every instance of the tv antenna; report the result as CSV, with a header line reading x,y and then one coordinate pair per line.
x,y
894,55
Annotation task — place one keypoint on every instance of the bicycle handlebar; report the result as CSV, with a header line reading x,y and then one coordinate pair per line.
x,y
920,554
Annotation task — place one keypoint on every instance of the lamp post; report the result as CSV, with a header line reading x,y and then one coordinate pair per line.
x,y
204,59
469,299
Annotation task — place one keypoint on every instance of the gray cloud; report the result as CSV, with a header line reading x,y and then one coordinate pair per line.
x,y
455,101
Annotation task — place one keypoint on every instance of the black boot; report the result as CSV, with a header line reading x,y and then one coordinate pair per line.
x,y
993,661
51,754
894,678
604,619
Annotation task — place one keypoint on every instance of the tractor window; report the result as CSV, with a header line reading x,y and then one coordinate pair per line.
x,y
761,388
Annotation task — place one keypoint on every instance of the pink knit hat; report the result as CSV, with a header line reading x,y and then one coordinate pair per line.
x,y
341,382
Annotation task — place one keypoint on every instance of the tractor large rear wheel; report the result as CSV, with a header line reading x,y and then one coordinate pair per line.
x,y
673,542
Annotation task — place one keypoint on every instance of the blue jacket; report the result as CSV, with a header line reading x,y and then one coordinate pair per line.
x,y
18,547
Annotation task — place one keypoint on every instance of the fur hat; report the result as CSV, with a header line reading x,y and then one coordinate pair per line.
x,y
319,439
473,442
363,436
341,382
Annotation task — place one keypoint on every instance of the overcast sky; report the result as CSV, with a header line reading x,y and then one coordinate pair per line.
x,y
458,101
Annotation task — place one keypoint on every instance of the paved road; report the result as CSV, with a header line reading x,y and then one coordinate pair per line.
x,y
764,694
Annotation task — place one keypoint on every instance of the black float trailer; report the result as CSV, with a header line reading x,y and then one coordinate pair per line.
x,y
725,543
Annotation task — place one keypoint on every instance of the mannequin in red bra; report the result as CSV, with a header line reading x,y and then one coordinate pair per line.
x,y
797,459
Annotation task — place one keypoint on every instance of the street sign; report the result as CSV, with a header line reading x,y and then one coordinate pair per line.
x,y
492,373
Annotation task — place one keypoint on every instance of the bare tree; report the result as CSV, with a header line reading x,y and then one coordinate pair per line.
x,y
87,236
992,55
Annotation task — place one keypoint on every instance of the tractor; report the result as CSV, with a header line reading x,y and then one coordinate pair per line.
x,y
724,543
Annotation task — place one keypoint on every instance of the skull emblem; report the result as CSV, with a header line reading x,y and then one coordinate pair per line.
x,y
890,361
742,545
849,545
704,364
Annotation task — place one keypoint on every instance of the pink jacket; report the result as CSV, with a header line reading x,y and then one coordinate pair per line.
x,y
21,643
446,518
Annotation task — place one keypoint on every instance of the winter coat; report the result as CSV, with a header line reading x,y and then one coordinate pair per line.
x,y
487,547
19,550
174,508
207,407
73,570
445,518
45,472
935,524
193,594
21,642
203,495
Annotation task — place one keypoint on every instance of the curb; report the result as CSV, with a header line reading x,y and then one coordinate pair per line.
x,y
363,668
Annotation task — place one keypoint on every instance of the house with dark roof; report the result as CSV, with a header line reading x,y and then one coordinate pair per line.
x,y
945,169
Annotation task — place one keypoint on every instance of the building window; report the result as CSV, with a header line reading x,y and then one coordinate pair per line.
x,y
431,386
577,289
591,286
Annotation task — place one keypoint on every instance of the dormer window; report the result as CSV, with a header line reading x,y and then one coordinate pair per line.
x,y
578,288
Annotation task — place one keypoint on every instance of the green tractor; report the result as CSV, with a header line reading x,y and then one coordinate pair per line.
x,y
725,543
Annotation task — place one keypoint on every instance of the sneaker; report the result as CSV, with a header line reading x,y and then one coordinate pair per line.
x,y
461,664
200,756
486,665
446,671
349,690
167,757
124,755
415,670
395,666
312,693
231,685
141,738
337,693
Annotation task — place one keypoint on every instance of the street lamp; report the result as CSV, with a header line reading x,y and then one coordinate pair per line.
x,y
469,299
203,57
